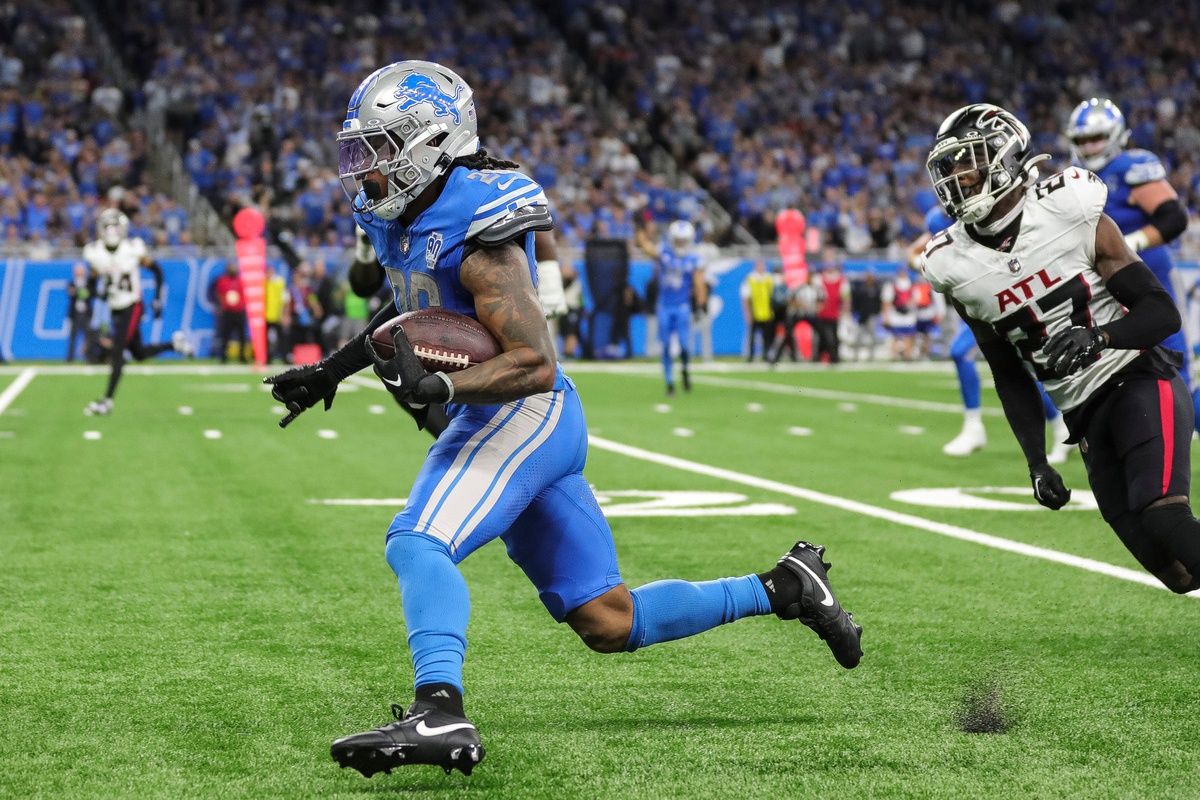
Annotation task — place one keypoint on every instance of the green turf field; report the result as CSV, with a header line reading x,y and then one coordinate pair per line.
x,y
181,619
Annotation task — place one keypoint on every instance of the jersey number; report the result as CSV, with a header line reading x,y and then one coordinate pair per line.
x,y
1026,320
407,290
125,283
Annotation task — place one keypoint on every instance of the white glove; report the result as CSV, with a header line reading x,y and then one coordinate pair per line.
x,y
1137,241
550,288
363,251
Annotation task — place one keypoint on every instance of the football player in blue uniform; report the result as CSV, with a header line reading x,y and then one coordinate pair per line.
x,y
455,228
681,286
1140,199
963,350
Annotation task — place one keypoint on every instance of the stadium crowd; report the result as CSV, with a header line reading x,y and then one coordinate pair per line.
x,y
831,107
254,94
821,106
67,147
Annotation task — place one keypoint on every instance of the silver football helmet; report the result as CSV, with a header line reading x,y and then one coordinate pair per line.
x,y
1097,133
681,234
407,121
112,227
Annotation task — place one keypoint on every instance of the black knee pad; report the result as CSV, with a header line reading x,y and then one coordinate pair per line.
x,y
1174,527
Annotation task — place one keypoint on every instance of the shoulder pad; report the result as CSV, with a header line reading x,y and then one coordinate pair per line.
x,y
515,205
1143,167
1073,193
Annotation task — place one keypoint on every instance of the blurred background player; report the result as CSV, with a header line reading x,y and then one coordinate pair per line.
x,y
681,286
1140,200
963,351
117,259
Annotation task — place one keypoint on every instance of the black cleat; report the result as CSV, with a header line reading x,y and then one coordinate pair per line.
x,y
670,390
687,381
816,606
422,735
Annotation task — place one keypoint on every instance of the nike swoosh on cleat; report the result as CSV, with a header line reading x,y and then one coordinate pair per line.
x,y
424,730
828,601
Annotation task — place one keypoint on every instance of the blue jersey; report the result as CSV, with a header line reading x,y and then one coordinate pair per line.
x,y
1130,169
484,207
675,273
937,220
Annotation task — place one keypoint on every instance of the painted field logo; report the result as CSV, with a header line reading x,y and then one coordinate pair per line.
x,y
417,88
634,503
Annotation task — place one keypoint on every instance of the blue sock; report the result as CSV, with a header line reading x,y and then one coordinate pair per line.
x,y
436,607
668,610
1048,407
968,382
666,362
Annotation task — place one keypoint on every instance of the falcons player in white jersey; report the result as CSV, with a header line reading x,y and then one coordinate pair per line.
x,y
1051,289
117,261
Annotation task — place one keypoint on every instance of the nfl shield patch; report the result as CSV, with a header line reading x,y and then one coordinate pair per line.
x,y
1014,265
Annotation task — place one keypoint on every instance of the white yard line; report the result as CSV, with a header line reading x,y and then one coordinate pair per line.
x,y
806,392
15,388
899,518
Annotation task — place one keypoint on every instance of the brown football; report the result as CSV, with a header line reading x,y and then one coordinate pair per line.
x,y
445,341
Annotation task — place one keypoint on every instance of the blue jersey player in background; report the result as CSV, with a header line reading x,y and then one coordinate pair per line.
x,y
455,228
1140,200
681,287
963,350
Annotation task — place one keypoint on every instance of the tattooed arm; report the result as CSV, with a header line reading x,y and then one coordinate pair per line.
x,y
507,305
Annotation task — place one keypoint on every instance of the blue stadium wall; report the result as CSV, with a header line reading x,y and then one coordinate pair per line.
x,y
34,323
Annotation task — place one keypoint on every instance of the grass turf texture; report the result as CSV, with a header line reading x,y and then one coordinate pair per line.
x,y
180,621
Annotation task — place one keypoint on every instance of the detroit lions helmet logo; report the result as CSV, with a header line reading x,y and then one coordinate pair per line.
x,y
417,88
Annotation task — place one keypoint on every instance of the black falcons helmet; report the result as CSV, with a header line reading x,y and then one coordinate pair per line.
x,y
984,142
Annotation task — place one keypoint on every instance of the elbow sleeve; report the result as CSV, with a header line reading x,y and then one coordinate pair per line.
x,y
1152,315
1170,219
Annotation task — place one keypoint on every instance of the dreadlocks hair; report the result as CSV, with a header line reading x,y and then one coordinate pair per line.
x,y
481,160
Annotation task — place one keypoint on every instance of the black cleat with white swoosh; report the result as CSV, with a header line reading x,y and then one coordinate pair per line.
x,y
421,735
816,607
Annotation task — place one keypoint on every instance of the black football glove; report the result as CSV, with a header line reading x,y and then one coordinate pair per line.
x,y
403,375
302,388
156,307
1069,350
1048,487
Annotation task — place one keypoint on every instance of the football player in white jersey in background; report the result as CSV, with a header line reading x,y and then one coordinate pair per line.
x,y
1051,289
117,260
